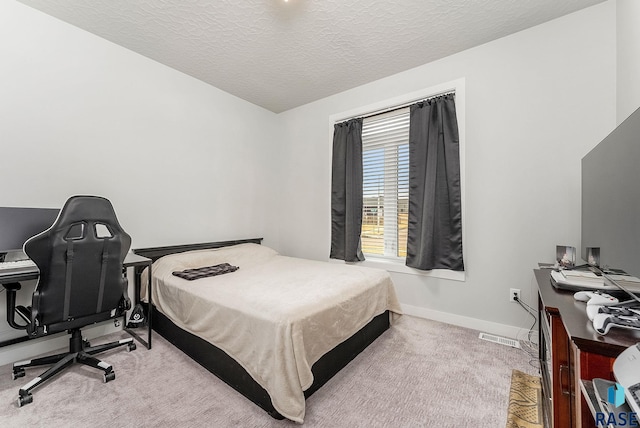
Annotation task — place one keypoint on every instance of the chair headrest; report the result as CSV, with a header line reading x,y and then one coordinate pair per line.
x,y
91,210
80,208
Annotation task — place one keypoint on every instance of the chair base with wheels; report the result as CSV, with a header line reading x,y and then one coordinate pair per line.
x,y
80,351
81,282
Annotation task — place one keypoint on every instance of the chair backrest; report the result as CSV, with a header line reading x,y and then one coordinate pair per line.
x,y
80,260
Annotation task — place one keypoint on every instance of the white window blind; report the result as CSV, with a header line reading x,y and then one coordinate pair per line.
x,y
385,158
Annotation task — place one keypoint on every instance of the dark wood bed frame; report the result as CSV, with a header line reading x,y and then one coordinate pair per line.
x,y
226,368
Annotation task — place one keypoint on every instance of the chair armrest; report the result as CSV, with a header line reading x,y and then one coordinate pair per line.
x,y
11,305
12,286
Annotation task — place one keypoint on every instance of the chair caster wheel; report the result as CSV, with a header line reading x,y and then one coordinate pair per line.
x,y
23,400
17,373
131,347
109,376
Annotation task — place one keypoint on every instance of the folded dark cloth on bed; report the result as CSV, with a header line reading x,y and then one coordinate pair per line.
x,y
203,272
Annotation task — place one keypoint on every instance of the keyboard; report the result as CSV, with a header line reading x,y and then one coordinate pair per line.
x,y
17,265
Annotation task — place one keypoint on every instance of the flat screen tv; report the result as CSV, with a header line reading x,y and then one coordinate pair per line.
x,y
611,198
19,224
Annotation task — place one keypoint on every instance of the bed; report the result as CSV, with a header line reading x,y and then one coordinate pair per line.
x,y
277,328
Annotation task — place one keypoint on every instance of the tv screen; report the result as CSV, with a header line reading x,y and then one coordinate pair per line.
x,y
611,198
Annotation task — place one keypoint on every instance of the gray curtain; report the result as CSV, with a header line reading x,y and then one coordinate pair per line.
x,y
434,236
346,191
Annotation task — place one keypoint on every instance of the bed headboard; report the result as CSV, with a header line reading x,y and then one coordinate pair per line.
x,y
154,253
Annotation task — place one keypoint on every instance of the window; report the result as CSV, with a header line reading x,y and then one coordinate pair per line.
x,y
385,154
385,158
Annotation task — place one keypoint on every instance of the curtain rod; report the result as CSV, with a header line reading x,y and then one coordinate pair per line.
x,y
401,106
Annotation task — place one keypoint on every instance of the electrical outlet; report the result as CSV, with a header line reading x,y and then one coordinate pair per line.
x,y
514,292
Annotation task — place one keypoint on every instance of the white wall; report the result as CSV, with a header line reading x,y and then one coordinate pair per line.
x,y
181,160
536,102
628,51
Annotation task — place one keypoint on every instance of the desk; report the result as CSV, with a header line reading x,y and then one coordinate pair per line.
x,y
132,260
572,354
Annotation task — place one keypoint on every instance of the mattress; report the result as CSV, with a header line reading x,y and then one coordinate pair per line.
x,y
275,315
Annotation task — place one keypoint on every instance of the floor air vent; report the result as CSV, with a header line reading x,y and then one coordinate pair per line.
x,y
500,340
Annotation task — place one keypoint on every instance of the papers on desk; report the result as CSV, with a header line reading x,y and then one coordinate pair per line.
x,y
587,280
582,277
561,281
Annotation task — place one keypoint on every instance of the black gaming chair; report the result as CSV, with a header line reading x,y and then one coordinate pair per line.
x,y
81,282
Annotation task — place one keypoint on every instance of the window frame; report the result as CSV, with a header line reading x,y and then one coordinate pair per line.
x,y
391,179
458,86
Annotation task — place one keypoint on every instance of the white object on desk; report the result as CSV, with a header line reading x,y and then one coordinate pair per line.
x,y
17,264
626,369
595,298
577,282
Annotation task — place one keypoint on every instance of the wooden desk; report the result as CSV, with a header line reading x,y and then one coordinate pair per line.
x,y
572,351
131,260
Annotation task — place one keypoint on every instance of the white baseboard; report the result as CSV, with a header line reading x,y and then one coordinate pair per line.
x,y
504,330
31,348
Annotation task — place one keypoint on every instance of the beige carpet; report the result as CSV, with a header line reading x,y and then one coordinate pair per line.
x,y
525,401
420,373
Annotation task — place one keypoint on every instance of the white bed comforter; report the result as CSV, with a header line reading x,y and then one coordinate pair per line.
x,y
276,315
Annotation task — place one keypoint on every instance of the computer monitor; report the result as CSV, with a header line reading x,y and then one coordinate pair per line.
x,y
19,224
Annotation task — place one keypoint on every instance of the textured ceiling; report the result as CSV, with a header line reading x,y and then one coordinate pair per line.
x,y
280,55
